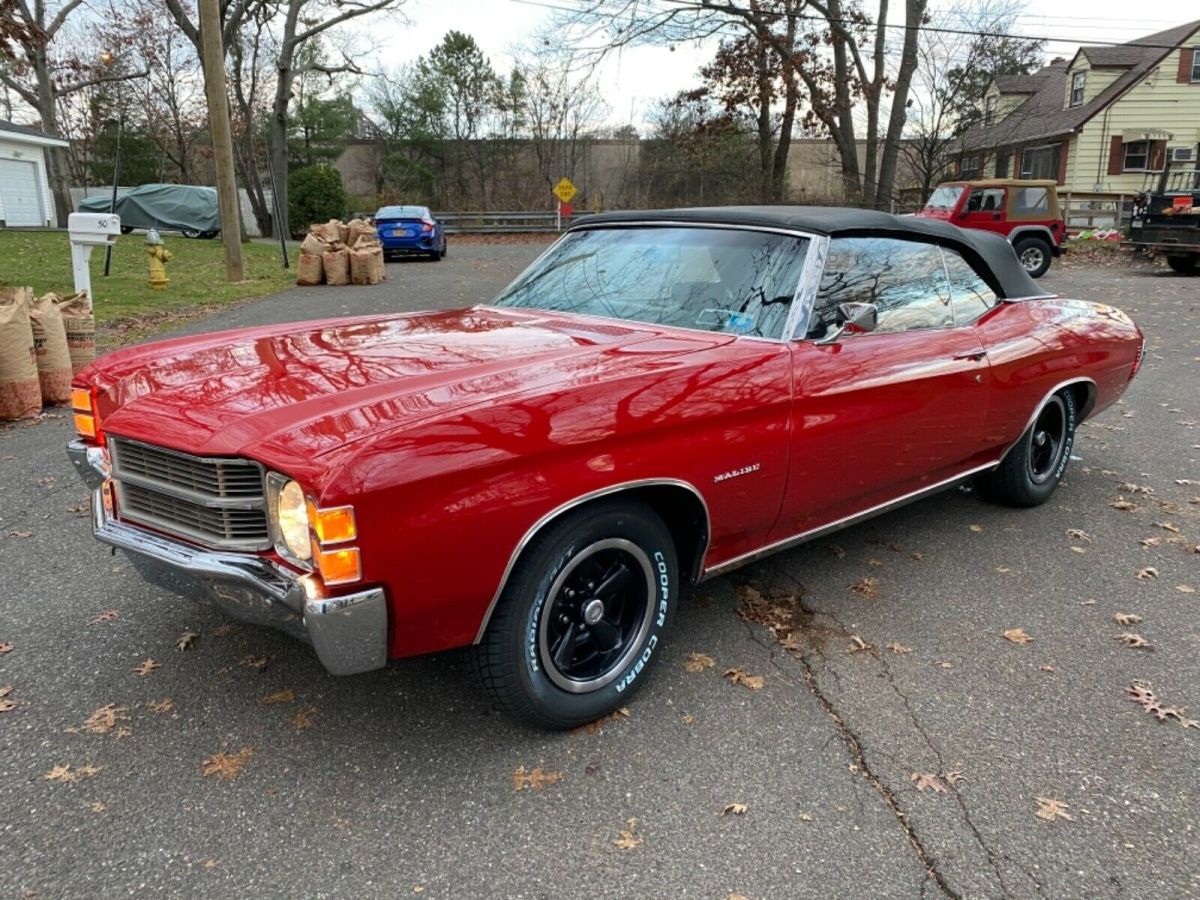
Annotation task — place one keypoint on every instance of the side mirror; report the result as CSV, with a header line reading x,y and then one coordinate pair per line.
x,y
857,318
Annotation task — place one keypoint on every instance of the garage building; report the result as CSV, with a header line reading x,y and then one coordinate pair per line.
x,y
24,189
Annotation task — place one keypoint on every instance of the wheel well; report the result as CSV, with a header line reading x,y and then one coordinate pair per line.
x,y
686,518
1084,394
1041,234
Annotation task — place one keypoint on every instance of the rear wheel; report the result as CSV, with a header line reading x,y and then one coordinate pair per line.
x,y
1185,265
1032,469
1034,254
578,622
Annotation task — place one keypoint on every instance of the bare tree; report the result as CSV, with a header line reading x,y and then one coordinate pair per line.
x,y
43,73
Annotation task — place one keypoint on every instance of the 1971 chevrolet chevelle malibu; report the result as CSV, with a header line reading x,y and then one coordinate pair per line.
x,y
660,398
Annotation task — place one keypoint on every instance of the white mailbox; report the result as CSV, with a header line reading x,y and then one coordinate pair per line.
x,y
88,230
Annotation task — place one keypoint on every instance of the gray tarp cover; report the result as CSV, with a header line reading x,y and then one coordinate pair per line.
x,y
172,206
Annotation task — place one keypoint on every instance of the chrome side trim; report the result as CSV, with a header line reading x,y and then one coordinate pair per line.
x,y
845,522
579,501
1083,414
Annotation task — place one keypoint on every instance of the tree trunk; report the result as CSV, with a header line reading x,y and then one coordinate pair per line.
x,y
765,184
874,95
279,147
843,134
914,14
56,168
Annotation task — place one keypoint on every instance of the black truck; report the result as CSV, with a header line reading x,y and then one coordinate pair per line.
x,y
1166,216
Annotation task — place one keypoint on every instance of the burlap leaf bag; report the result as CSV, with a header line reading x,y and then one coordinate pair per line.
x,y
310,270
80,325
50,348
20,392
337,266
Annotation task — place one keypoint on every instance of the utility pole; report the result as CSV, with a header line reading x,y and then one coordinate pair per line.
x,y
213,58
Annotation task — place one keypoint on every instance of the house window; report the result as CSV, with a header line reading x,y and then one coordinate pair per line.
x,y
1003,160
1196,64
1041,162
1077,81
971,167
1137,157
989,110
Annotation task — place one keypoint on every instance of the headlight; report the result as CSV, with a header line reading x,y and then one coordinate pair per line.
x,y
289,518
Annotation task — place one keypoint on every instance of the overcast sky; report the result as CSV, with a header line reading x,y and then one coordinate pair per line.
x,y
635,78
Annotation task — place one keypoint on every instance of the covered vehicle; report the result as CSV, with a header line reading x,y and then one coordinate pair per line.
x,y
189,209
660,398
410,231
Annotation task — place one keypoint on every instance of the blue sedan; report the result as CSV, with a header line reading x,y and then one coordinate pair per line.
x,y
410,230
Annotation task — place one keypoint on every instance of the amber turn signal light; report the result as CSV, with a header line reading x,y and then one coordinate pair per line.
x,y
334,525
338,566
85,420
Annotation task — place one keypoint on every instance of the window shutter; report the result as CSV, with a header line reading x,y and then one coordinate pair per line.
x,y
1186,56
1064,150
1158,156
1116,156
1016,163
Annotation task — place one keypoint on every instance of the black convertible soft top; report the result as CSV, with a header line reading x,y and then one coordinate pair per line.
x,y
991,254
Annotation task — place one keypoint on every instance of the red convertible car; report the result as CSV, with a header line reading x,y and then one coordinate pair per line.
x,y
660,398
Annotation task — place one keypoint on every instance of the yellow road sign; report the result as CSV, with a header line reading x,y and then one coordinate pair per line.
x,y
564,190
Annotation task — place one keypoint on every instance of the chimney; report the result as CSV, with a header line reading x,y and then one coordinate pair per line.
x,y
1057,61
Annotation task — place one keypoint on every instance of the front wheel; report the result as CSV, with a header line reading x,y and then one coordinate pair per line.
x,y
1032,469
1034,254
582,616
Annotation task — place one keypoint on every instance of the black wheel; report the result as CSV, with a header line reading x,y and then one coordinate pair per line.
x,y
1031,471
1034,254
126,229
1185,265
581,616
191,233
443,251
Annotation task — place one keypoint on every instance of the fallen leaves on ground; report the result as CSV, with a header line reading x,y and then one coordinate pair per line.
x,y
737,675
924,781
1051,809
734,809
1017,636
1150,541
1047,668
5,647
146,667
107,616
868,587
1140,692
596,726
535,779
65,775
303,719
897,647
1147,574
226,766
7,705
254,662
1122,503
165,705
287,695
953,778
185,641
21,534
99,807
1185,589
1129,639
1127,618
1131,488
698,662
105,719
1168,526
976,528
1078,534
628,838
858,645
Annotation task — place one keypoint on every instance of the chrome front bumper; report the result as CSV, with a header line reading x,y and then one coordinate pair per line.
x,y
349,633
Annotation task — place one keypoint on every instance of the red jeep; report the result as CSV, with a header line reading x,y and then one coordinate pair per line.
x,y
1025,212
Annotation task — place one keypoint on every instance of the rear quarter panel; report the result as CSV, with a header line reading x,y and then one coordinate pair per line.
x,y
442,505
1035,345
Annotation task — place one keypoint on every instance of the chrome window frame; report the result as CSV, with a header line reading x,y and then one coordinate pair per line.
x,y
802,297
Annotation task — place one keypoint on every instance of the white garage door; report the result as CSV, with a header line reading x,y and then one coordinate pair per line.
x,y
19,194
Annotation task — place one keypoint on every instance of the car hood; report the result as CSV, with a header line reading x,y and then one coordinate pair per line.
x,y
286,395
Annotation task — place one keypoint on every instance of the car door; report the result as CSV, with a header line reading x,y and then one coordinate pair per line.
x,y
882,414
984,209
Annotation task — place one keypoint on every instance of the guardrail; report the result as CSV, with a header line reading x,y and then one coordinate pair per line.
x,y
499,222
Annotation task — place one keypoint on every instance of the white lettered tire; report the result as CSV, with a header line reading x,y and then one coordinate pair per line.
x,y
582,617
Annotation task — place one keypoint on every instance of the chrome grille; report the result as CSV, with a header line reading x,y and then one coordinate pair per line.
x,y
214,501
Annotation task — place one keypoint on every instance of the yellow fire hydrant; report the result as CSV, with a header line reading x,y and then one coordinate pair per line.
x,y
157,257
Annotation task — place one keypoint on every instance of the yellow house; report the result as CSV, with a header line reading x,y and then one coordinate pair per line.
x,y
1101,124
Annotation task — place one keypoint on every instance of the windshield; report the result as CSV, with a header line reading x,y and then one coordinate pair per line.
x,y
713,279
945,196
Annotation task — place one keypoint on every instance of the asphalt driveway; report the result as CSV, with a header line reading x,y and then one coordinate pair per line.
x,y
898,745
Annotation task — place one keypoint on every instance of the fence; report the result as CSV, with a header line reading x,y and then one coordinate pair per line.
x,y
1088,212
499,222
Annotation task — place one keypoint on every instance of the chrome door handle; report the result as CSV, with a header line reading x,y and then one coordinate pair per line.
x,y
975,355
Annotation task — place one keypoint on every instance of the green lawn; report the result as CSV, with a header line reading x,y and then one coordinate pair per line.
x,y
42,260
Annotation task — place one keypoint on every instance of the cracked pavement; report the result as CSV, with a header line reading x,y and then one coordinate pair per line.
x,y
404,785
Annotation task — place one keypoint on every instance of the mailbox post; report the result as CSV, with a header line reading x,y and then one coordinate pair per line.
x,y
88,230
